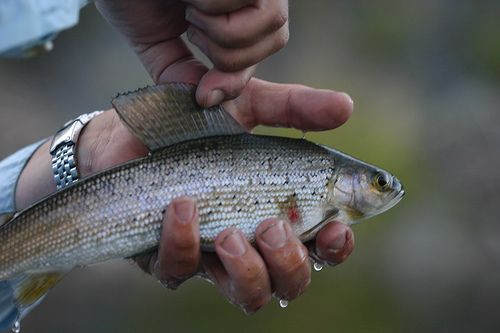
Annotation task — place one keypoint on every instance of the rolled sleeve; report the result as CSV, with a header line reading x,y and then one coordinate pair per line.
x,y
10,170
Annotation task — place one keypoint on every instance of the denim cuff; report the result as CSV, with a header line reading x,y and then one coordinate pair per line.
x,y
10,170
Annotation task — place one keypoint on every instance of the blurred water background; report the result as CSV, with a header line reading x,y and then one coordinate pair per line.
x,y
425,78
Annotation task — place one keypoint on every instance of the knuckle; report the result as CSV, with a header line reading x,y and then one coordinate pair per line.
x,y
182,246
297,260
237,84
278,20
229,63
255,274
220,6
185,244
282,38
185,265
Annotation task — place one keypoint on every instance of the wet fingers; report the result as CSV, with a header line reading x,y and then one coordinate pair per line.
x,y
179,251
241,275
334,243
286,258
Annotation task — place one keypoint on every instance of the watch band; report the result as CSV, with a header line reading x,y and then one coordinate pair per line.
x,y
63,150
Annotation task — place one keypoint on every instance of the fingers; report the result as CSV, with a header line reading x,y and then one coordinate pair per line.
x,y
286,258
334,243
239,271
290,105
235,36
179,251
230,60
171,61
241,28
216,86
219,6
248,278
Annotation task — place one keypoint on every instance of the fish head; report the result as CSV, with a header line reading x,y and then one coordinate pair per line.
x,y
360,190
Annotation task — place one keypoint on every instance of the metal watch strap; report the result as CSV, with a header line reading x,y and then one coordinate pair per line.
x,y
63,150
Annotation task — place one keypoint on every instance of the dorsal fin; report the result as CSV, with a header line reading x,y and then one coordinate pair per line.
x,y
167,114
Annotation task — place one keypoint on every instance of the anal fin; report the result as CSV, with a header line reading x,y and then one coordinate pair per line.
x,y
20,295
167,114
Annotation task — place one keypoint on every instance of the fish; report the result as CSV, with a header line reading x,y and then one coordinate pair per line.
x,y
238,179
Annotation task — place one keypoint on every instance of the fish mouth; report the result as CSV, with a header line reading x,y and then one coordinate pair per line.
x,y
393,202
397,198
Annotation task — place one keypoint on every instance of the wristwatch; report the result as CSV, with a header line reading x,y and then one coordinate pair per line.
x,y
63,150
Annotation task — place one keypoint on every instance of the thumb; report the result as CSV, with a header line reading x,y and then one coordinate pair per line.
x,y
217,86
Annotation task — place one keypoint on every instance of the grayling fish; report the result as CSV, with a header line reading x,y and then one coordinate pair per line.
x,y
238,180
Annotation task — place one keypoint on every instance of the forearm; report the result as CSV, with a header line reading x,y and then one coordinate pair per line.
x,y
104,142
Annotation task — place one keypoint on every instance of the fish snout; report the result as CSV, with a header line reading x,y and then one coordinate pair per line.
x,y
397,187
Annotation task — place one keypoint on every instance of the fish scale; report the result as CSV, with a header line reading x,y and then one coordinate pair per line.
x,y
122,211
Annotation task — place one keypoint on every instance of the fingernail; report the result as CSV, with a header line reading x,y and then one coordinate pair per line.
x,y
184,210
338,244
275,235
215,97
234,243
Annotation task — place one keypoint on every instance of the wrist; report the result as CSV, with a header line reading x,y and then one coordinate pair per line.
x,y
103,143
106,142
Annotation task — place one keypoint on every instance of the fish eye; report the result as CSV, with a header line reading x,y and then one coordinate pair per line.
x,y
381,182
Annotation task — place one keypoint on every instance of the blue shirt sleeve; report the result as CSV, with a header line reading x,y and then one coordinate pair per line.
x,y
10,170
26,24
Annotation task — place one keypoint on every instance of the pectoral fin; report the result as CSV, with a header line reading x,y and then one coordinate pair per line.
x,y
167,114
21,294
311,233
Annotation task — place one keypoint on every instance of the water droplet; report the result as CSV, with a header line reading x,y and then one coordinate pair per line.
x,y
317,266
16,327
283,303
304,135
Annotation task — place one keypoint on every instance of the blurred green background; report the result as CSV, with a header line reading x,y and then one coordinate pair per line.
x,y
425,78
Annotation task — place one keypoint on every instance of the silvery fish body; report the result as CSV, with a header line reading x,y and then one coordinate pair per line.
x,y
237,179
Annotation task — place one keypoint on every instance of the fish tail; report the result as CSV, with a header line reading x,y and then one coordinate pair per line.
x,y
20,295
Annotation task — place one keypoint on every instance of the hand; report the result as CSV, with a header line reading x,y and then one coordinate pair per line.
x,y
234,34
247,276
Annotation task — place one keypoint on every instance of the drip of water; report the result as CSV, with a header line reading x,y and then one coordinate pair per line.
x,y
317,266
283,303
304,135
16,327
